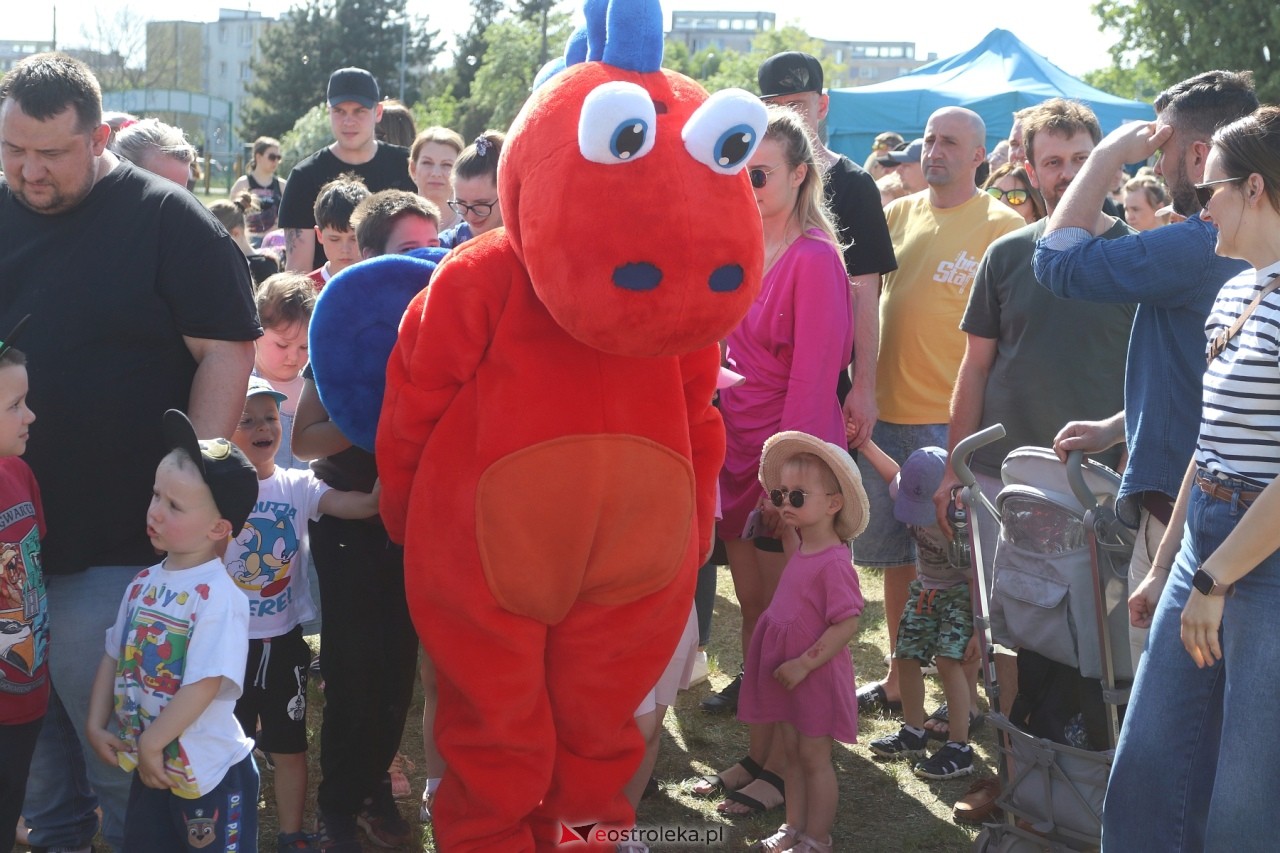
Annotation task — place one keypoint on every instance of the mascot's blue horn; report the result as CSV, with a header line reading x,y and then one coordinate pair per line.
x,y
624,33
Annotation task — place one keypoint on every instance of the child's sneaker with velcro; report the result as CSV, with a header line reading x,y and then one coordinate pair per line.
x,y
907,743
952,760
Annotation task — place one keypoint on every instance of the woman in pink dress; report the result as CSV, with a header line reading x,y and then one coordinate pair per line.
x,y
796,336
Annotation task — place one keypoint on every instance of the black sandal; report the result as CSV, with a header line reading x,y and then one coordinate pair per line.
x,y
716,784
754,805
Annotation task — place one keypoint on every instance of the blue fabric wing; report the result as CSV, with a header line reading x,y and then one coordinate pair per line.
x,y
353,329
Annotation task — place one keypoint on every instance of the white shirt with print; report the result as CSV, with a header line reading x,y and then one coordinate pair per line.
x,y
175,628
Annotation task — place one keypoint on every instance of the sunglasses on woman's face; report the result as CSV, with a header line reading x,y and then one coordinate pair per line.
x,y
794,496
1013,197
760,177
274,158
1204,192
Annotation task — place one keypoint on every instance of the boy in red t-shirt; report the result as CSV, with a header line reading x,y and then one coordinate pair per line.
x,y
24,613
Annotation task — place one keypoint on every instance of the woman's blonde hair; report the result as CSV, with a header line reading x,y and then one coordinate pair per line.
x,y
789,131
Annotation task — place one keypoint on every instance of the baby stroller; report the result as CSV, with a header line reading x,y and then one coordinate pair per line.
x,y
1057,592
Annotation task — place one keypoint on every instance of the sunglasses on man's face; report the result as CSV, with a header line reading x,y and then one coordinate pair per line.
x,y
1204,192
793,496
1013,197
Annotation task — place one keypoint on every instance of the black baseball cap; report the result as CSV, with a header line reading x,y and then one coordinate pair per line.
x,y
229,475
905,153
353,84
789,73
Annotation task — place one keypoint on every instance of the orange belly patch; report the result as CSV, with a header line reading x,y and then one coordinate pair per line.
x,y
599,518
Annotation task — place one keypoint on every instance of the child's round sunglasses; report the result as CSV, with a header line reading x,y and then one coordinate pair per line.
x,y
794,496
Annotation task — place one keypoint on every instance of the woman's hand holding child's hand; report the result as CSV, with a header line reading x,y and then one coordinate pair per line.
x,y
791,673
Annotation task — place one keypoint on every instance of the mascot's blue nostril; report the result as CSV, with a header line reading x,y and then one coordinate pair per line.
x,y
726,279
640,276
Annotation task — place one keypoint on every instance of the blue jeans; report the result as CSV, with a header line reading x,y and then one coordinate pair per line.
x,y
1177,783
65,773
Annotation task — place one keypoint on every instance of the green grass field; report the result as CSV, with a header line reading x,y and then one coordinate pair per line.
x,y
883,806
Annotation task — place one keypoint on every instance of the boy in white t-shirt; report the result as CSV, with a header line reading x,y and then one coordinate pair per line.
x,y
164,697
268,562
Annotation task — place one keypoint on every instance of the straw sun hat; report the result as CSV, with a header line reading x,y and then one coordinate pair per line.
x,y
852,518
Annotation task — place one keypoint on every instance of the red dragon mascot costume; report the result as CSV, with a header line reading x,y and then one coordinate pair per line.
x,y
547,445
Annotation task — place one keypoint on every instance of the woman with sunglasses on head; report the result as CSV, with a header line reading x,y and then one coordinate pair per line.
x,y
1196,761
475,190
1011,185
796,336
261,182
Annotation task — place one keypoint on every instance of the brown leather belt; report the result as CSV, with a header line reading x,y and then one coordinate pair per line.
x,y
1224,491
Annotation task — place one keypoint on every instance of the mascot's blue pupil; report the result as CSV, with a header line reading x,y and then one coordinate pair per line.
x,y
732,147
628,139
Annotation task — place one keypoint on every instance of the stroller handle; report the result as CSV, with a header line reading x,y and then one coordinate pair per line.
x,y
969,445
1075,477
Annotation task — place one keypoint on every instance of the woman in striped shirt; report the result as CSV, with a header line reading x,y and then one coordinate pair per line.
x,y
1198,765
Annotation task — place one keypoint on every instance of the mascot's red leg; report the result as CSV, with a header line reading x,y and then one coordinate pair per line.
x,y
493,723
601,661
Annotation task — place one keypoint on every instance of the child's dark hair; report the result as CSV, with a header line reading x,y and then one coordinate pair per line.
x,y
230,212
285,299
337,200
480,158
13,357
376,215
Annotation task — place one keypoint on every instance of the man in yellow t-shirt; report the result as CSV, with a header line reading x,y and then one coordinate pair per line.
x,y
939,236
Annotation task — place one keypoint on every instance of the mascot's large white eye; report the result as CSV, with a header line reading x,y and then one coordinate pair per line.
x,y
618,123
724,132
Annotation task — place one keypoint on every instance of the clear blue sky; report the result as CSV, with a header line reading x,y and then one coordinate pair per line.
x,y
1066,31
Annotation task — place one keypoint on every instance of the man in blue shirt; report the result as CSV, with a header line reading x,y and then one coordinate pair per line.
x,y
1174,275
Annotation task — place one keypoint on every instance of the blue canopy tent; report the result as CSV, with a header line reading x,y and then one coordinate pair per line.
x,y
997,77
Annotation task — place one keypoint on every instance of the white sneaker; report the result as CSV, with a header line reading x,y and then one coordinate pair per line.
x,y
700,670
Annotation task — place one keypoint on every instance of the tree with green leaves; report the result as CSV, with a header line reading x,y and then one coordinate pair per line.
x,y
468,57
1178,39
726,68
316,37
539,12
1139,81
504,81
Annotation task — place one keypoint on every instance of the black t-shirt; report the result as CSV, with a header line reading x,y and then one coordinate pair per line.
x,y
855,202
388,170
112,287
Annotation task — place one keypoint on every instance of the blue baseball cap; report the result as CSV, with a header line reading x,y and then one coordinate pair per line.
x,y
919,478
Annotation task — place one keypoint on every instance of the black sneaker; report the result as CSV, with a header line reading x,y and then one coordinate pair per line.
x,y
903,744
337,834
383,823
725,701
952,760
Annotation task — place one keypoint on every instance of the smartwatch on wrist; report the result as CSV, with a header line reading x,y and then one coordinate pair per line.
x,y
1206,585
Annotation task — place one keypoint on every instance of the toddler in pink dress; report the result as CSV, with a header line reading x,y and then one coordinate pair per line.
x,y
799,672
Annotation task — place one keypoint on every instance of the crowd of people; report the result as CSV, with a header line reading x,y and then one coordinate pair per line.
x,y
904,305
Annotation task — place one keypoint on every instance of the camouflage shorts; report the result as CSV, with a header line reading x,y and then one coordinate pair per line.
x,y
935,623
